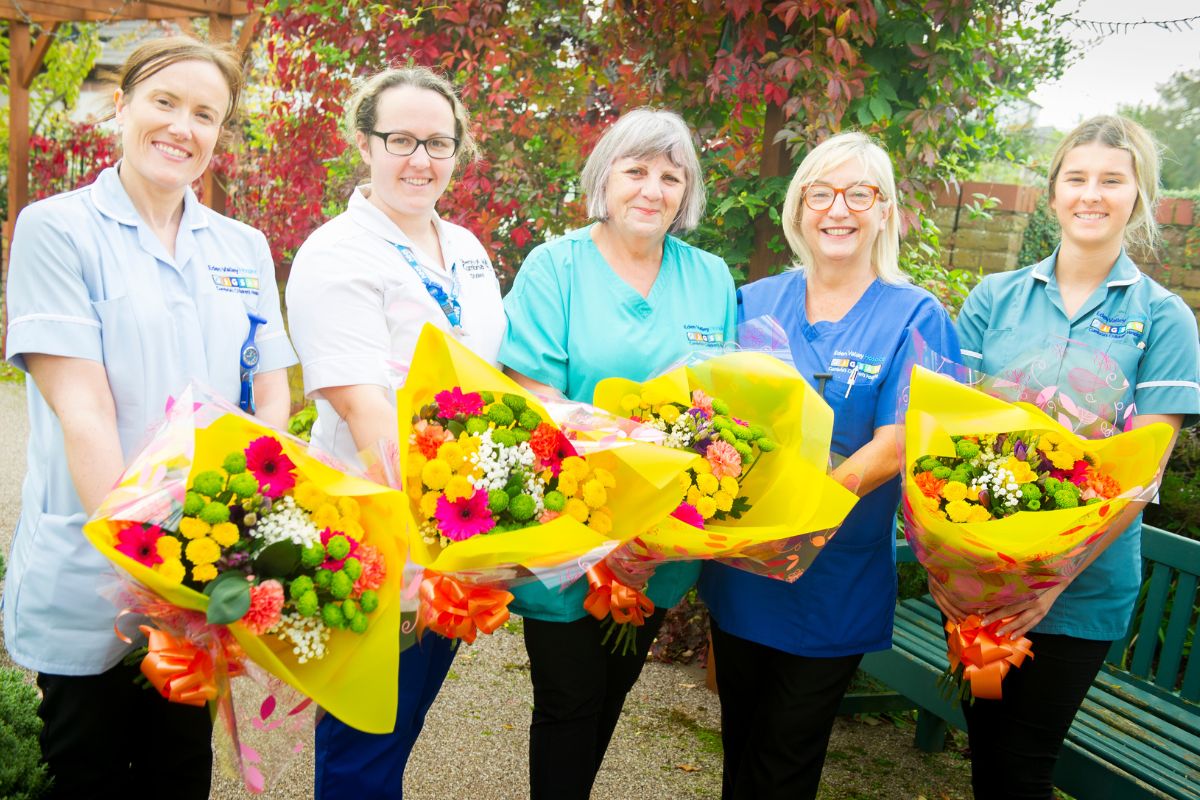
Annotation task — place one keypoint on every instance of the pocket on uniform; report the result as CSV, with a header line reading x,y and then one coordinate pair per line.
x,y
123,353
1000,349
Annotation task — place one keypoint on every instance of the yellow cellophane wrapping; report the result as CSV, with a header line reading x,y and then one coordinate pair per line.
x,y
647,488
986,564
356,679
790,490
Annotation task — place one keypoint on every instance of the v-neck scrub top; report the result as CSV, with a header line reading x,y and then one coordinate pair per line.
x,y
572,322
843,604
1151,334
355,303
90,280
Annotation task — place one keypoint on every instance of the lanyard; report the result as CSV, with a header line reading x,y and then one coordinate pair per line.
x,y
248,363
448,302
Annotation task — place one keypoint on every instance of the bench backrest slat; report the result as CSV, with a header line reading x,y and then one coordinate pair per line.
x,y
1191,677
1182,605
1152,614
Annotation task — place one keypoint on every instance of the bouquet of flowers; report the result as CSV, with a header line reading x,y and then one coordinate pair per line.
x,y
248,554
1001,502
498,494
757,493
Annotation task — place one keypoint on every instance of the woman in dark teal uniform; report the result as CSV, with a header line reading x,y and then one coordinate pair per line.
x,y
1103,183
785,652
620,298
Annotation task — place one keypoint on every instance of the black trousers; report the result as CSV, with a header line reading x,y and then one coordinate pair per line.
x,y
1015,741
777,712
579,688
104,736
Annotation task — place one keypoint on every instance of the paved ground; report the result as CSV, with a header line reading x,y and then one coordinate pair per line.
x,y
667,746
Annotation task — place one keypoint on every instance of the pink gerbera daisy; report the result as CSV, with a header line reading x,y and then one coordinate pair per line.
x,y
140,542
723,459
266,607
453,402
466,517
268,463
686,512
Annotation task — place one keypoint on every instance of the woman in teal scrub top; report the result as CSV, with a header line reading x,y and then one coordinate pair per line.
x,y
1103,182
621,297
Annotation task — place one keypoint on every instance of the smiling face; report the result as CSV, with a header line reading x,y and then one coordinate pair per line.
x,y
1094,195
839,237
170,123
642,196
408,187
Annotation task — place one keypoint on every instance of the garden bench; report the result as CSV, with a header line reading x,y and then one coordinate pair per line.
x,y
1137,734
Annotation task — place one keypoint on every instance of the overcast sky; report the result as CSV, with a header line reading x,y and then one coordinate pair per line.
x,y
1122,68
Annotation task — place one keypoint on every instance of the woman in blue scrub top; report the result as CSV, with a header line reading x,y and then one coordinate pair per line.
x,y
785,653
121,293
624,298
362,287
1103,183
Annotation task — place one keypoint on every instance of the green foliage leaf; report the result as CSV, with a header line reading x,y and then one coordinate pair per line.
x,y
278,560
228,598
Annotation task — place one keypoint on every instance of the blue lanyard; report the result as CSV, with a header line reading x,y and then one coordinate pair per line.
x,y
448,302
248,363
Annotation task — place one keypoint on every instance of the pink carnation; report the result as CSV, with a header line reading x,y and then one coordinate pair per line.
x,y
266,607
453,402
548,515
686,512
702,402
724,459
374,569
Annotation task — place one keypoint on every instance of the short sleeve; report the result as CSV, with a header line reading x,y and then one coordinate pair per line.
x,y
49,305
535,343
732,302
931,322
972,323
273,346
338,322
1168,376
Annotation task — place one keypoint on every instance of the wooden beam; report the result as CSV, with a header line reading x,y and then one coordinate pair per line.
x,y
108,10
248,32
33,64
18,142
185,26
774,162
220,30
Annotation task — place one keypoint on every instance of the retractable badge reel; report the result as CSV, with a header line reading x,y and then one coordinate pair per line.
x,y
249,364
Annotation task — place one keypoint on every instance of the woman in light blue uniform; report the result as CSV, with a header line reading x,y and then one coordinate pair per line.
x,y
120,294
1103,183
785,652
624,298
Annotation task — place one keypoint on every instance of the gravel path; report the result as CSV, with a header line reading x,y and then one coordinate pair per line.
x,y
667,745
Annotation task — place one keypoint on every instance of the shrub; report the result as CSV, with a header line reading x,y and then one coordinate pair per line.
x,y
22,773
683,637
1178,507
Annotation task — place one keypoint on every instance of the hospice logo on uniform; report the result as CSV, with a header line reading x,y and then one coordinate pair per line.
x,y
704,336
849,362
476,267
1116,327
237,280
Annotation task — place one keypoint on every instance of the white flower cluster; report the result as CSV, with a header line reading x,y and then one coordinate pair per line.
x,y
286,520
680,435
999,481
308,635
496,462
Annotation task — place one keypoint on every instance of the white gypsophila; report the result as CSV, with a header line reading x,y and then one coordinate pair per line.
x,y
308,635
286,520
431,535
1000,483
496,462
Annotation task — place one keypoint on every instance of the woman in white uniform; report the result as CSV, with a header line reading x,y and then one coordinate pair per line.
x,y
362,287
120,294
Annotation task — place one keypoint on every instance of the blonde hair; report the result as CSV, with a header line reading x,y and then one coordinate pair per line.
x,y
827,156
646,133
363,107
1122,134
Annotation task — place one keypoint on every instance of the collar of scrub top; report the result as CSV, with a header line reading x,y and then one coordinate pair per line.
x,y
248,364
110,198
1123,272
448,301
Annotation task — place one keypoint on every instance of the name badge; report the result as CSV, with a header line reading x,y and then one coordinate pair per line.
x,y
234,279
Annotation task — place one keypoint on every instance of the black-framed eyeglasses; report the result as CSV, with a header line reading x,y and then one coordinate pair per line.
x,y
399,143
859,197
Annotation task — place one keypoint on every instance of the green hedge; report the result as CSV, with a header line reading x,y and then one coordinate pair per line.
x,y
22,773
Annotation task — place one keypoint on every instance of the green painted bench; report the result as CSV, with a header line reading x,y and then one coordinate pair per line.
x,y
1138,732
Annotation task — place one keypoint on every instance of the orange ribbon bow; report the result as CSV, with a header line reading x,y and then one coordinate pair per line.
x,y
459,610
182,672
609,596
986,657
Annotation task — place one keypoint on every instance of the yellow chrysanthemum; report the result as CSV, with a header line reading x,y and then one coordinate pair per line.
x,y
577,509
601,524
348,507
192,528
351,527
203,573
606,478
707,483
435,474
468,443
979,514
225,533
651,397
416,462
702,466
452,453
1021,470
707,507
594,494
685,481
308,496
669,413
729,485
724,500
326,516
458,487
414,487
567,484
202,551
693,496
973,494
631,403
933,505
171,569
429,504
168,548
959,511
954,490
578,467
